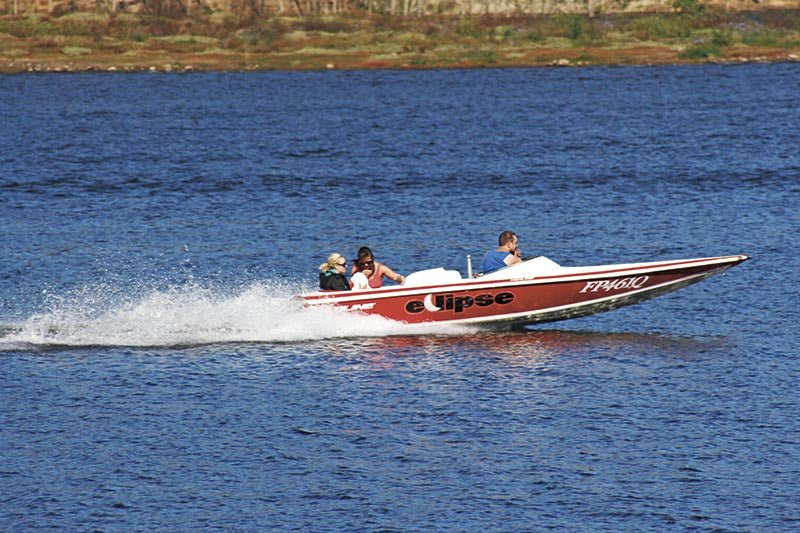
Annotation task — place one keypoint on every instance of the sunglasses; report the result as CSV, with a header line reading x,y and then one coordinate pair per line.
x,y
367,264
341,264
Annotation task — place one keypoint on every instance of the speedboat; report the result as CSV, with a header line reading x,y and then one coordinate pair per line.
x,y
534,290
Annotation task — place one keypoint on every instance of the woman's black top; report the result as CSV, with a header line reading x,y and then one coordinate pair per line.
x,y
329,281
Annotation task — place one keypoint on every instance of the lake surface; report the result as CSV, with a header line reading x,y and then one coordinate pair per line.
x,y
157,375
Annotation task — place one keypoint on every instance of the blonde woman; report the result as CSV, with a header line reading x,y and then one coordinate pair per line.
x,y
331,274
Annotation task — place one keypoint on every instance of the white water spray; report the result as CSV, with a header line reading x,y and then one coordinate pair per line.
x,y
193,315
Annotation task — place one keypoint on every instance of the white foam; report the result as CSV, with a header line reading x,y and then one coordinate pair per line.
x,y
193,315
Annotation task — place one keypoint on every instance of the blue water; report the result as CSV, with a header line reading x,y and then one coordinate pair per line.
x,y
157,374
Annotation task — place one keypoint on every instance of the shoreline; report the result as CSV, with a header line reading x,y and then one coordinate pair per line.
x,y
540,58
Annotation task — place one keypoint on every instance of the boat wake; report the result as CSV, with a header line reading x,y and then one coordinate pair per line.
x,y
193,315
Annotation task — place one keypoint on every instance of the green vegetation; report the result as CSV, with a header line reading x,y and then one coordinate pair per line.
x,y
770,39
690,33
655,27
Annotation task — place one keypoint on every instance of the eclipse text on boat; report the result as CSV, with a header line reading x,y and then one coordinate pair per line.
x,y
457,304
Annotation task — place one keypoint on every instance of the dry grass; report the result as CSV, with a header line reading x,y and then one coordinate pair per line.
x,y
221,42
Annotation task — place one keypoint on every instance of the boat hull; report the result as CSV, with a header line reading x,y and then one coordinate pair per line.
x,y
525,297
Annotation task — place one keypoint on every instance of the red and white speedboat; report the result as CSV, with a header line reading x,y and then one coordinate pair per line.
x,y
536,290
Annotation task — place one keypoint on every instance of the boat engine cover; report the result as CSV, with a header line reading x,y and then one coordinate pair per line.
x,y
433,276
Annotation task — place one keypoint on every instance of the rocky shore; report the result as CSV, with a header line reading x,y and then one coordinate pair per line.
x,y
543,58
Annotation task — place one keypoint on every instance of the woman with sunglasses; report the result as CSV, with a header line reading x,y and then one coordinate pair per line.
x,y
373,270
331,275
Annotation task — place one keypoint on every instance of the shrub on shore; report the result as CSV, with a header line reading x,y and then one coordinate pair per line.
x,y
700,51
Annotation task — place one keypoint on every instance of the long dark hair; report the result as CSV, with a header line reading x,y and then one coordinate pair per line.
x,y
363,252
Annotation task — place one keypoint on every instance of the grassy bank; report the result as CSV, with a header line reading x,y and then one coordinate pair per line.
x,y
89,41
